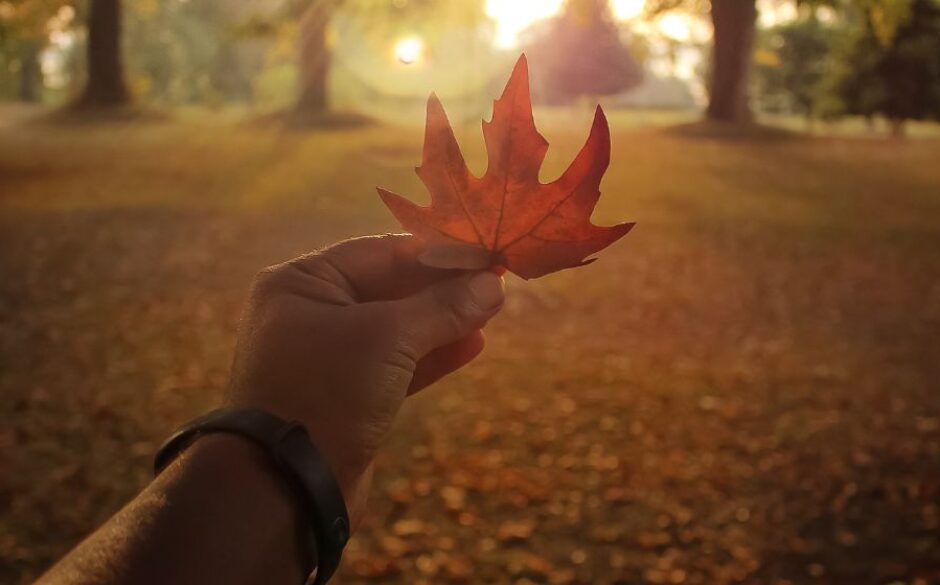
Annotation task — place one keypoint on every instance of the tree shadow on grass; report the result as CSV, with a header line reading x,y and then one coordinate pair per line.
x,y
751,132
301,121
80,115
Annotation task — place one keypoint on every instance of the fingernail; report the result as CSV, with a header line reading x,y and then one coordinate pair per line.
x,y
486,289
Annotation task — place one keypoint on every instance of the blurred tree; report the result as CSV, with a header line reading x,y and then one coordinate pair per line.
x,y
309,20
734,23
789,64
910,67
580,53
29,26
889,64
850,85
23,33
186,52
105,86
172,52
30,70
314,56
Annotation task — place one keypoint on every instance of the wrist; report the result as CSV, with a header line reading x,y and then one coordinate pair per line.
x,y
243,484
349,465
297,462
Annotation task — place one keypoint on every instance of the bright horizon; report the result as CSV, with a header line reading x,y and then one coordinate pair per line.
x,y
514,16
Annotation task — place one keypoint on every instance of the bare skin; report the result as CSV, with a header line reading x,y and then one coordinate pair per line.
x,y
336,340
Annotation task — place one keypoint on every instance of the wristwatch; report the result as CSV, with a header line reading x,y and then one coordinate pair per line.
x,y
299,463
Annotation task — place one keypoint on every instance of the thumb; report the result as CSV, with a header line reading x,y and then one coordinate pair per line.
x,y
449,311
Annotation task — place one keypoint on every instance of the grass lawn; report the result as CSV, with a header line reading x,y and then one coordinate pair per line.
x,y
745,389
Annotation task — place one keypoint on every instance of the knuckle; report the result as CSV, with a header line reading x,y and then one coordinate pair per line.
x,y
269,281
323,276
314,264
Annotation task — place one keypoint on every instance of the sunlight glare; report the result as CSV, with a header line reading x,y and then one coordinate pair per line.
x,y
514,16
627,9
676,26
772,13
409,50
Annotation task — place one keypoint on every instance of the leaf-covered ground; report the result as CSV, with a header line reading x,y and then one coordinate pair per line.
x,y
746,389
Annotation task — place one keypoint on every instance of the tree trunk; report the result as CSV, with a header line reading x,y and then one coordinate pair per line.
x,y
30,72
105,86
734,23
898,128
313,61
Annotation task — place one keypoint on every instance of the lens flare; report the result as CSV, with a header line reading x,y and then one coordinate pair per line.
x,y
409,50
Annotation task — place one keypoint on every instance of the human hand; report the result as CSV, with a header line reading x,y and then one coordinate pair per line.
x,y
338,338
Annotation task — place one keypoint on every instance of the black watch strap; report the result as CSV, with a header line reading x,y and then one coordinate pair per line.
x,y
299,463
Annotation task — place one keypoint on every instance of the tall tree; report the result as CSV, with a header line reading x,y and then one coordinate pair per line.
x,y
105,87
31,78
313,57
314,51
734,24
580,52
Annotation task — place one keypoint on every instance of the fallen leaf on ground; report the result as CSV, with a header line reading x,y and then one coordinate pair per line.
x,y
408,527
510,530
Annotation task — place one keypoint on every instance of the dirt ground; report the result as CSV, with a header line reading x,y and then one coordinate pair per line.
x,y
744,390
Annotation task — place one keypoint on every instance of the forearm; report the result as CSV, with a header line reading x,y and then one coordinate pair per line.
x,y
219,514
345,334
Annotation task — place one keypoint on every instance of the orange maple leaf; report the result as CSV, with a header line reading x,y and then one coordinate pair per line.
x,y
507,218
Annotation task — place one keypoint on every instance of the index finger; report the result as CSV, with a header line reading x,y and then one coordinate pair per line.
x,y
374,268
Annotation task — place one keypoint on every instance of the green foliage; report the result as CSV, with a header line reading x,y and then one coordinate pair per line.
x,y
889,67
911,66
790,62
28,18
24,30
273,87
182,52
